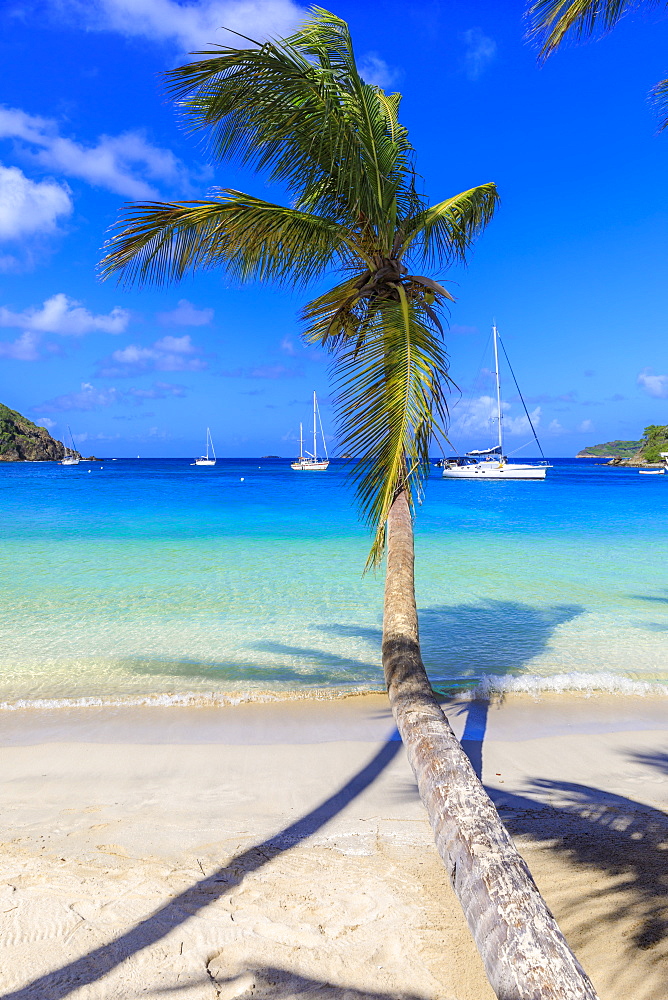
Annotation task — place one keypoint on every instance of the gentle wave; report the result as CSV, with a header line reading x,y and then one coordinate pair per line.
x,y
186,699
574,683
587,684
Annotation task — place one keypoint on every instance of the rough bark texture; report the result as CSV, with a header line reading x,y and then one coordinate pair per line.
x,y
525,954
23,441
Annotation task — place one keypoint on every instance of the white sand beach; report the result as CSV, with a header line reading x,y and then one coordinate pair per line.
x,y
280,850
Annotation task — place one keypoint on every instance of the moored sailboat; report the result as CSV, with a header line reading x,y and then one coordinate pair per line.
x,y
492,463
204,459
308,462
71,456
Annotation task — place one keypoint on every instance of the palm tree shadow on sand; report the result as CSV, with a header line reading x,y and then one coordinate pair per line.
x,y
98,962
608,835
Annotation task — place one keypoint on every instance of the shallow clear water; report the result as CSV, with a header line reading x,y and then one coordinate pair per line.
x,y
154,578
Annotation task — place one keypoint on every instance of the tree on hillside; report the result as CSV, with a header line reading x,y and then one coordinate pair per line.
x,y
298,110
554,21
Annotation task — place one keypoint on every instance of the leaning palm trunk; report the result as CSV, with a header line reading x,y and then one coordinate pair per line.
x,y
524,952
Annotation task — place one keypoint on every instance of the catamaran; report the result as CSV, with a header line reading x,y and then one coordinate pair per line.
x,y
204,459
491,463
71,456
308,462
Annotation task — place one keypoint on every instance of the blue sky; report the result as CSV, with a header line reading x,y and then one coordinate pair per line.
x,y
573,267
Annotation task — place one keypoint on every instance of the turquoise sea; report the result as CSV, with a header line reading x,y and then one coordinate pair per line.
x,y
153,580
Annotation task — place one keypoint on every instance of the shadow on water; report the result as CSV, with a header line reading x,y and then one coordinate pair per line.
x,y
100,961
462,643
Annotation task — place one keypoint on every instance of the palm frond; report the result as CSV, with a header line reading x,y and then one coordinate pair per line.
x,y
298,109
446,231
551,21
659,98
389,387
244,236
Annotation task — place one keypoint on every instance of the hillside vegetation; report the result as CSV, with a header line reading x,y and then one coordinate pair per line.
x,y
23,441
647,451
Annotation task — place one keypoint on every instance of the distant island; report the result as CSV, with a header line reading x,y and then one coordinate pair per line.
x,y
646,451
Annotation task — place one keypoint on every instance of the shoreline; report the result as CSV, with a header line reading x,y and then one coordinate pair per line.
x,y
357,717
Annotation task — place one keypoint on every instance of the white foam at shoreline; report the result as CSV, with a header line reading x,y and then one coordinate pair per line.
x,y
186,699
587,684
571,683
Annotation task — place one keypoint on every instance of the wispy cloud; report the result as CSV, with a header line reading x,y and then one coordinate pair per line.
x,y
463,331
119,163
374,69
186,314
262,371
479,416
29,207
586,427
653,385
479,52
169,354
24,348
189,26
89,397
65,316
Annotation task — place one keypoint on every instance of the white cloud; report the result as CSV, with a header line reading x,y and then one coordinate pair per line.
x,y
554,427
65,316
28,207
479,416
586,426
480,52
375,70
119,163
46,422
170,354
186,314
653,385
24,348
188,25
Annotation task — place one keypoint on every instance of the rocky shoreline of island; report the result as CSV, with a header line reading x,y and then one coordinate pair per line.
x,y
650,451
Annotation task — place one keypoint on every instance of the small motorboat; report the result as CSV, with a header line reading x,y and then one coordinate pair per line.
x,y
651,472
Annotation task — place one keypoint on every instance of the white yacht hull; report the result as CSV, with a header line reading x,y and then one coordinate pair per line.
x,y
309,466
495,470
70,461
204,461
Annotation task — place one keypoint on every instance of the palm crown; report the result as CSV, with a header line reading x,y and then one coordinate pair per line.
x,y
299,110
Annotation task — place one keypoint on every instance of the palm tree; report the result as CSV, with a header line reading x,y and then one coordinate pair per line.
x,y
299,110
553,21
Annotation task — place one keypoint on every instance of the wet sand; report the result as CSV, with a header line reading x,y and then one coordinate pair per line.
x,y
276,850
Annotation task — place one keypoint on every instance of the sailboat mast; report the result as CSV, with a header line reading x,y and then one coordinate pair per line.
x,y
301,441
315,442
498,388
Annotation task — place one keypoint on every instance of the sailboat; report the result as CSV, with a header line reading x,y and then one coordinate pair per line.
x,y
491,463
204,459
71,456
308,462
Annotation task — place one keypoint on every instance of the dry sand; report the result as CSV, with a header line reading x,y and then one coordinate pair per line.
x,y
281,850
